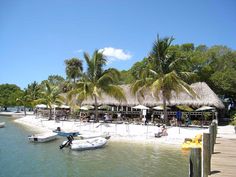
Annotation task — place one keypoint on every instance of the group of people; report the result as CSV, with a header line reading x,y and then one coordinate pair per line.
x,y
177,121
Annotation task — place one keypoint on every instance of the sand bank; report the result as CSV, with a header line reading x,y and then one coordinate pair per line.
x,y
121,132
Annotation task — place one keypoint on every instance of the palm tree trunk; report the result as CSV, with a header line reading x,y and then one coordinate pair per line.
x,y
165,110
50,114
24,111
96,108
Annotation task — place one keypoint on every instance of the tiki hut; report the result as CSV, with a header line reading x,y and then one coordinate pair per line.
x,y
205,97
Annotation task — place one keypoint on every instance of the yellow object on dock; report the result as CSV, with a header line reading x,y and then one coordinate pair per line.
x,y
196,142
189,145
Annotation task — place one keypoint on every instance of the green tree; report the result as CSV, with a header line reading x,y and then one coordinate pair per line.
x,y
8,95
137,67
125,77
97,80
33,91
49,96
162,76
55,80
74,68
24,100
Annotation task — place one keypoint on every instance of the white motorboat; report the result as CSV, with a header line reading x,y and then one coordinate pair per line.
x,y
2,124
92,135
86,144
41,138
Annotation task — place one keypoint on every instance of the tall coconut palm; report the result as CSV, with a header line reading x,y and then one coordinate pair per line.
x,y
33,92
97,80
74,68
49,96
24,100
161,75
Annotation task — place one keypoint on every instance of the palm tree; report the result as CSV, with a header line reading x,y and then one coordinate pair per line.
x,y
24,100
74,68
161,75
33,92
97,80
50,95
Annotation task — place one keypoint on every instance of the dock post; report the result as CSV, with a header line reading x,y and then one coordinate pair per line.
x,y
211,129
195,162
206,155
215,131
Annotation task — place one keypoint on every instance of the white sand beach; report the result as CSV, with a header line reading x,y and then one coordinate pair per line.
x,y
124,132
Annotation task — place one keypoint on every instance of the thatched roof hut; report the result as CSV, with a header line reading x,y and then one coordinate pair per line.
x,y
206,97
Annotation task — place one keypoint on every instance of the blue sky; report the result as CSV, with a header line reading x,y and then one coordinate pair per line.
x,y
37,36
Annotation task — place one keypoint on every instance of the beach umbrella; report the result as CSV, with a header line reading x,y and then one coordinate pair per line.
x,y
140,107
41,106
160,108
205,108
65,106
86,107
106,107
54,106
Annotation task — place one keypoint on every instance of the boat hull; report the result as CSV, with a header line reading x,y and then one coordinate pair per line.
x,y
88,144
2,124
41,138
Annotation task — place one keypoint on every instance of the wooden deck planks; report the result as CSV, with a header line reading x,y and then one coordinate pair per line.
x,y
223,162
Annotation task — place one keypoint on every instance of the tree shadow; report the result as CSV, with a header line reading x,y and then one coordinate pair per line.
x,y
216,152
215,172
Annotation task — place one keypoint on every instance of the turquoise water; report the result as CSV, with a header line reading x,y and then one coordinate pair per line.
x,y
19,158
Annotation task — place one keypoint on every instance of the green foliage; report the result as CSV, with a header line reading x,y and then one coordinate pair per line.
x,y
74,68
55,80
49,96
8,95
207,115
233,117
163,72
125,77
97,80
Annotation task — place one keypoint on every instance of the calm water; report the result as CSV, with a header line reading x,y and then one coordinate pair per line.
x,y
19,158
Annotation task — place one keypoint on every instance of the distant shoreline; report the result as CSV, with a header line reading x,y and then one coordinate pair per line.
x,y
14,114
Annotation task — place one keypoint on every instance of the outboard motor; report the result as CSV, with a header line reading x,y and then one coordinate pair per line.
x,y
68,143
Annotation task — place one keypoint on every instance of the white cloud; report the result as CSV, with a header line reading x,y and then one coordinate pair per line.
x,y
78,51
115,54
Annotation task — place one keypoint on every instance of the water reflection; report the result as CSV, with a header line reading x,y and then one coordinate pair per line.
x,y
21,158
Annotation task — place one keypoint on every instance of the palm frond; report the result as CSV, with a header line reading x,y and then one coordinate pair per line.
x,y
114,91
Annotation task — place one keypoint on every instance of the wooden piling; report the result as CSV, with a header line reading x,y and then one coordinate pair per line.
x,y
206,155
215,131
211,129
195,162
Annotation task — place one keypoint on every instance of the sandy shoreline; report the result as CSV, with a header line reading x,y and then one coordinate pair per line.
x,y
123,132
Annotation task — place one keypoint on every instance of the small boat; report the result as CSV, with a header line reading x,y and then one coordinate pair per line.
x,y
92,135
44,137
66,133
2,124
86,144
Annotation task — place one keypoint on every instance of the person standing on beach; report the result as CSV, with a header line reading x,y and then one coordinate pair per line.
x,y
179,117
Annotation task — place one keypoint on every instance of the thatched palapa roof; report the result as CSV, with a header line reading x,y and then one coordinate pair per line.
x,y
206,97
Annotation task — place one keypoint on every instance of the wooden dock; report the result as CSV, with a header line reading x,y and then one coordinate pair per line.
x,y
223,162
